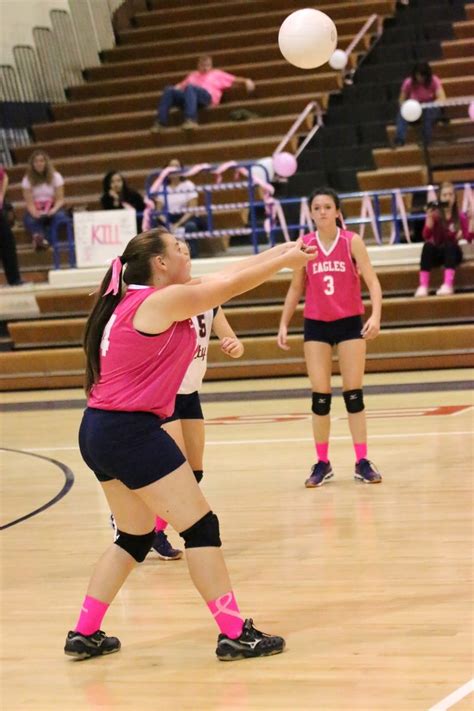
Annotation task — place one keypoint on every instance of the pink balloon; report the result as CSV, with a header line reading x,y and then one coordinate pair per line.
x,y
285,164
471,111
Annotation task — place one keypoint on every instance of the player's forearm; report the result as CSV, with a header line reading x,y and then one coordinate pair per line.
x,y
375,292
289,307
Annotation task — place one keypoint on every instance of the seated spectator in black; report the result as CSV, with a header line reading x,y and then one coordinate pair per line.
x,y
181,197
7,240
201,88
43,192
444,227
422,86
117,195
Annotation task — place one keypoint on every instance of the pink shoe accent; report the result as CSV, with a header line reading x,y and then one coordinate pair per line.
x,y
227,615
322,451
92,614
160,524
360,451
425,279
449,275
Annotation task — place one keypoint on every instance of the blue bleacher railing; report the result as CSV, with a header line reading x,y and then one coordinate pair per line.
x,y
272,229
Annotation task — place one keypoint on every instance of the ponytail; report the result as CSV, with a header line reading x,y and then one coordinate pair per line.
x,y
137,270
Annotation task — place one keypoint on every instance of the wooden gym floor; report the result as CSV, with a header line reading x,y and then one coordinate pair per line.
x,y
370,585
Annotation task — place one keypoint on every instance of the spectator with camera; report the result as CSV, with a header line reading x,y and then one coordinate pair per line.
x,y
43,192
7,241
444,226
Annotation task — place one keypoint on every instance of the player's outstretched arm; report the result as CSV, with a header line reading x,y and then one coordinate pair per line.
x,y
180,302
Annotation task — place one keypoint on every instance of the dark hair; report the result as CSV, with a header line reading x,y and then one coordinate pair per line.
x,y
126,194
424,69
330,193
137,270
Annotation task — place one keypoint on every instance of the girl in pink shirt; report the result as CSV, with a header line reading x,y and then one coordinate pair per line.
x,y
333,317
138,347
423,86
43,192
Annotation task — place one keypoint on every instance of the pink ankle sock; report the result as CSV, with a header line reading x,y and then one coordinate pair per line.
x,y
226,613
449,276
360,450
322,451
425,279
160,524
92,614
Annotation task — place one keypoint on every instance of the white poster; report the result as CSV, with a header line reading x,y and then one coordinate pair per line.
x,y
100,236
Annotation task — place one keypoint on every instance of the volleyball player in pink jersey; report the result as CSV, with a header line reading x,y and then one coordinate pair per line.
x,y
333,317
138,347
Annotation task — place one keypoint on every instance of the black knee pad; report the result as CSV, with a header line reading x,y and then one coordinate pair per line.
x,y
203,533
136,546
198,474
321,403
354,400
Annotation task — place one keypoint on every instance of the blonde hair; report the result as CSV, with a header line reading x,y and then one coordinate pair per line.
x,y
46,176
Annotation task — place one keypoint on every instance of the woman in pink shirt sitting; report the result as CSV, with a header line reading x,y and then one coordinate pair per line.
x,y
43,192
422,86
198,89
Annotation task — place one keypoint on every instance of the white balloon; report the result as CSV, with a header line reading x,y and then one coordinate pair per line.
x,y
411,110
307,38
338,59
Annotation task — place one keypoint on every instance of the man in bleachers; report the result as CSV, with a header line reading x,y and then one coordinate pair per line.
x,y
199,89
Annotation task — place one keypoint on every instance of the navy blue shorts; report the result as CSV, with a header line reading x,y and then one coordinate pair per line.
x,y
187,407
333,332
128,446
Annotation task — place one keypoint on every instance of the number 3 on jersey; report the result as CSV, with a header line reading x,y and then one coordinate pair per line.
x,y
329,282
105,342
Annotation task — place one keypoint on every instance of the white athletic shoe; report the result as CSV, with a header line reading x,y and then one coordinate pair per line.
x,y
445,290
421,291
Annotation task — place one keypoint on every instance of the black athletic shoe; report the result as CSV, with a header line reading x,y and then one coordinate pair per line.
x,y
320,473
365,471
251,643
84,646
164,549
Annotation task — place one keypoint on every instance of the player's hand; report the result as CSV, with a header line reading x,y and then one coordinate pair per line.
x,y
232,347
299,255
282,338
371,329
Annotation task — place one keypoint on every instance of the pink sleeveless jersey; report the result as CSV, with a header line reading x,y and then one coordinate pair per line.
x,y
137,372
332,287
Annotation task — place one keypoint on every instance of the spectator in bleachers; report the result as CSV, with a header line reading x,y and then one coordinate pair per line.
x,y
422,86
181,197
199,89
43,192
445,225
118,195
7,240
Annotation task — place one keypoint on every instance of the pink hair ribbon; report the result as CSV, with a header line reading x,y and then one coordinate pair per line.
x,y
114,285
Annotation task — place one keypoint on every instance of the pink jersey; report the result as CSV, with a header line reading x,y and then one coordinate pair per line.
x,y
332,288
141,373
